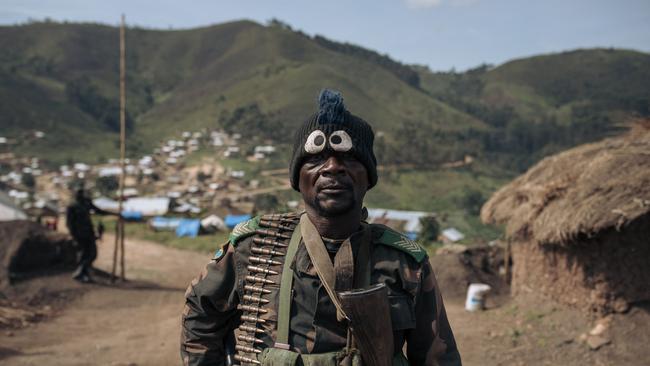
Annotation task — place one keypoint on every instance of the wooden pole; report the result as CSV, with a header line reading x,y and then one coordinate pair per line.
x,y
117,236
119,230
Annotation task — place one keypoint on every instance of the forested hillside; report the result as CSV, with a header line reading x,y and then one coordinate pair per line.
x,y
540,105
263,80
65,77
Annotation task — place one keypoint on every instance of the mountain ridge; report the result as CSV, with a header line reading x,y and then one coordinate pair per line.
x,y
202,77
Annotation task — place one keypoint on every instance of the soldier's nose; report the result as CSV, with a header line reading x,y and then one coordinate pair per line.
x,y
333,165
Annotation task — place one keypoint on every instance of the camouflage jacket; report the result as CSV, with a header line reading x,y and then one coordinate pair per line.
x,y
239,291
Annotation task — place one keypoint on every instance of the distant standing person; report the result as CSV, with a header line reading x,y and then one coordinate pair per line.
x,y
82,230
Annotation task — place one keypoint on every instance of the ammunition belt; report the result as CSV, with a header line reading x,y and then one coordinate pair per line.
x,y
268,249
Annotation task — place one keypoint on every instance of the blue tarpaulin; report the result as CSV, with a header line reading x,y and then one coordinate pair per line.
x,y
188,227
411,235
164,223
132,215
232,220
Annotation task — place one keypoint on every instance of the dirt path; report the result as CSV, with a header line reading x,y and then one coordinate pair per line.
x,y
133,323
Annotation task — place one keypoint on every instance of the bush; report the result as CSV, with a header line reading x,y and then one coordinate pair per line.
x,y
430,229
107,185
472,201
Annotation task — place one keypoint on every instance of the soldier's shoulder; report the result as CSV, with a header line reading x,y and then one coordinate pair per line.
x,y
274,222
243,230
393,239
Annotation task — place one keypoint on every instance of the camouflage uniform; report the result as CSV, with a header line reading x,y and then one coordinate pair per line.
x,y
239,290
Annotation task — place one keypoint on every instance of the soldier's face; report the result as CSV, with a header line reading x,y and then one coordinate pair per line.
x,y
333,183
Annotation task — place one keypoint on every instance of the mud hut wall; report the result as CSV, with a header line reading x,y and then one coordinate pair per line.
x,y
599,274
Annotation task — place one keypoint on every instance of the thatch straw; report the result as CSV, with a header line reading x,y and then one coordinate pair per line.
x,y
578,192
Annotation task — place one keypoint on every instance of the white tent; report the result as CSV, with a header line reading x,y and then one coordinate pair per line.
x,y
452,235
8,210
411,219
147,206
213,223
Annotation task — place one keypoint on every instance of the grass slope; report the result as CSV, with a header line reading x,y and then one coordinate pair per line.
x,y
190,78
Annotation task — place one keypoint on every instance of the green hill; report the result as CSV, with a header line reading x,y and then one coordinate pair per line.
x,y
263,80
543,104
193,79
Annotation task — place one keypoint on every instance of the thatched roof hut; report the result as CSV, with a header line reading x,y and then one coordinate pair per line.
x,y
579,222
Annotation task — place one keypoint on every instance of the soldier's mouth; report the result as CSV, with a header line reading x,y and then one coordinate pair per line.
x,y
335,188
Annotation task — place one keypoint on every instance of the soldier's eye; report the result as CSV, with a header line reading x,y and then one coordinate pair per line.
x,y
340,141
315,142
315,159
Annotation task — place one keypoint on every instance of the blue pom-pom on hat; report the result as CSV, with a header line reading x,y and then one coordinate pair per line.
x,y
331,107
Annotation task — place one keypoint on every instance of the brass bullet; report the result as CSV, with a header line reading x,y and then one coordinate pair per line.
x,y
261,270
252,309
252,319
247,328
276,225
246,338
255,299
275,233
247,349
247,360
256,279
258,250
269,241
264,261
256,289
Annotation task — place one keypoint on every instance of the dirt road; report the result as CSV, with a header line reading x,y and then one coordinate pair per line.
x,y
133,323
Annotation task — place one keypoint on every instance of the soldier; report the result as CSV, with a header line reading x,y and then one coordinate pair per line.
x,y
282,290
81,227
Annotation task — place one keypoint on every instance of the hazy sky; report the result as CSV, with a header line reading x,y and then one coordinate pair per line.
x,y
443,34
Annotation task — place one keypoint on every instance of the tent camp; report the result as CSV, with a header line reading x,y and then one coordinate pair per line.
x,y
579,224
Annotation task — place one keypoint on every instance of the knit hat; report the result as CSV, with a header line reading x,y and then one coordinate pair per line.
x,y
336,129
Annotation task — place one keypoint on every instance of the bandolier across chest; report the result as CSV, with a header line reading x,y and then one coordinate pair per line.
x,y
271,235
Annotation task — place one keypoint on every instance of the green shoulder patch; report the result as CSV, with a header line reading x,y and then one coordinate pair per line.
x,y
398,241
244,229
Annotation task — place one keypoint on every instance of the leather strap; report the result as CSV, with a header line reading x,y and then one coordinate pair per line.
x,y
363,272
321,261
344,267
286,284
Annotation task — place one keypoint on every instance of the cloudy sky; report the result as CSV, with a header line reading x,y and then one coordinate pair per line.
x,y
442,34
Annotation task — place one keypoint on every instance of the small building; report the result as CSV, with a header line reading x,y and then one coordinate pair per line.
x,y
130,192
109,171
451,235
148,206
579,224
407,222
237,174
265,149
81,167
231,151
9,211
